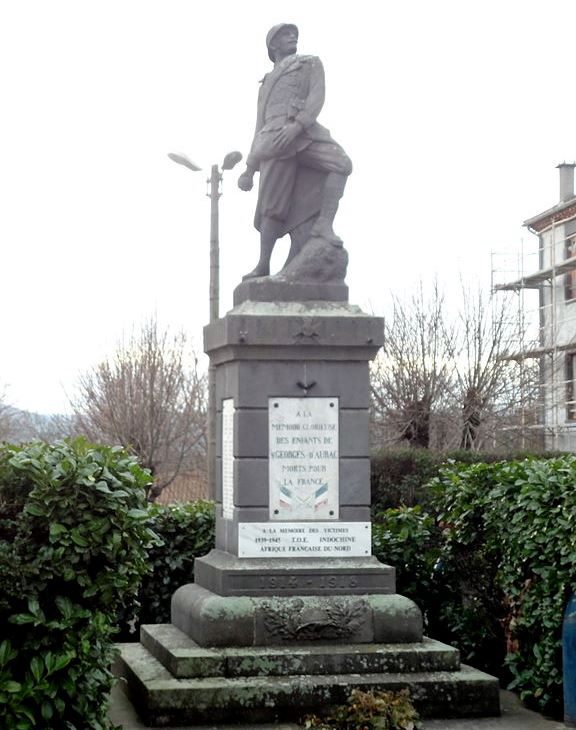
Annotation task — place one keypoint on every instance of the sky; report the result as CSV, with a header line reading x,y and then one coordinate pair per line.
x,y
454,112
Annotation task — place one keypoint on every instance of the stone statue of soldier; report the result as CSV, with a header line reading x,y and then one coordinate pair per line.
x,y
303,171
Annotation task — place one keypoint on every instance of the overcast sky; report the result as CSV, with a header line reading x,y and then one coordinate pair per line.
x,y
455,113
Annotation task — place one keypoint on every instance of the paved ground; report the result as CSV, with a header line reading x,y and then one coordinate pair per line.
x,y
514,717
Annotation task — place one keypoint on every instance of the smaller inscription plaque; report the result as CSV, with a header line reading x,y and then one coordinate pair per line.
x,y
303,458
228,458
304,539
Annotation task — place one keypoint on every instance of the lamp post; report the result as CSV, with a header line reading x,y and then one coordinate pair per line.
x,y
230,160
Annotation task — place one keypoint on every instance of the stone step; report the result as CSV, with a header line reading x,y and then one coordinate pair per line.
x,y
162,700
185,659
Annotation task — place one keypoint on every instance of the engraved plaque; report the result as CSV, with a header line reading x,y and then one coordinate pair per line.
x,y
302,584
304,539
228,458
303,458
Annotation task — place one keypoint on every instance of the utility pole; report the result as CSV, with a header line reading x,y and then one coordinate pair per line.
x,y
231,159
214,297
214,195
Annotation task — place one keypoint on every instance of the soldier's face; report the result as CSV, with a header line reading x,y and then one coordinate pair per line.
x,y
285,42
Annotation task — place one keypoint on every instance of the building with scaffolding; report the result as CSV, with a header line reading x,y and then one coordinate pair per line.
x,y
546,316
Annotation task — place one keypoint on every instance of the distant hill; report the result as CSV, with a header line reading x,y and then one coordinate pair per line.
x,y
17,426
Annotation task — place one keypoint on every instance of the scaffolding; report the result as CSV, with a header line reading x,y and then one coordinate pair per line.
x,y
541,289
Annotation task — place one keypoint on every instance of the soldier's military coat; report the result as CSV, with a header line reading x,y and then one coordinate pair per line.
x,y
293,91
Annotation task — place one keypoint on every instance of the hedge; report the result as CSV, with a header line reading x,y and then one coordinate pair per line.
x,y
73,549
494,567
185,532
522,515
399,476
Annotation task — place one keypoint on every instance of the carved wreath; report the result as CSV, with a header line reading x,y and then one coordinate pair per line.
x,y
294,620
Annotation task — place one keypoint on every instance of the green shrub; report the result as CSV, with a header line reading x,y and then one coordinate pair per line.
x,y
472,610
186,532
493,567
399,476
519,519
380,710
452,596
408,539
73,540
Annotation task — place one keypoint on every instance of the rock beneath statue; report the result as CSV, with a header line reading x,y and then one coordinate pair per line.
x,y
276,290
319,261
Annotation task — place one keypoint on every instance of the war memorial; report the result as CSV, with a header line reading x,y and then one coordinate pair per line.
x,y
291,611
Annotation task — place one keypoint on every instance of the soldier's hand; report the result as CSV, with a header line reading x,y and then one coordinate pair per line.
x,y
288,134
246,180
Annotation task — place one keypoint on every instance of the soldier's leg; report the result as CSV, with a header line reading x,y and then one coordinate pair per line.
x,y
333,191
274,195
270,230
330,158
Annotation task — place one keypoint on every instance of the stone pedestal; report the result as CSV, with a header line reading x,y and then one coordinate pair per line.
x,y
213,620
291,610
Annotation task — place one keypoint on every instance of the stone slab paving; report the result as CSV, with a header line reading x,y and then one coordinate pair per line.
x,y
514,717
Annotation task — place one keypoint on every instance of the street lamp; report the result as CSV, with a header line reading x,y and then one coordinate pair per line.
x,y
230,160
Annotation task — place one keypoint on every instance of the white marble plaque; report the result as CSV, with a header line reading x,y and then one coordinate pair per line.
x,y
303,458
304,539
228,458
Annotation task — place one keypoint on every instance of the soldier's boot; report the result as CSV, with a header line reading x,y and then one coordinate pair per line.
x,y
269,232
333,191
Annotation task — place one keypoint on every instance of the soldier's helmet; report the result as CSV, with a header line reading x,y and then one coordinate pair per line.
x,y
272,32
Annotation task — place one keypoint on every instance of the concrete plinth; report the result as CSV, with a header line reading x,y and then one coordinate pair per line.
x,y
186,659
174,681
291,611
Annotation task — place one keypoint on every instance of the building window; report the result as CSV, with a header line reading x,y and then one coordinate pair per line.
x,y
570,386
570,277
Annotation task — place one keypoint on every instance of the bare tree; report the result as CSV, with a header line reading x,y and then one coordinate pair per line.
x,y
150,396
448,382
514,421
483,377
412,381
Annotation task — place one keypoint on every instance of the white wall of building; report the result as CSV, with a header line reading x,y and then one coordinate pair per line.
x,y
557,330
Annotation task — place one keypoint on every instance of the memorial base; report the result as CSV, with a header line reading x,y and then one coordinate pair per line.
x,y
173,681
291,611
226,621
